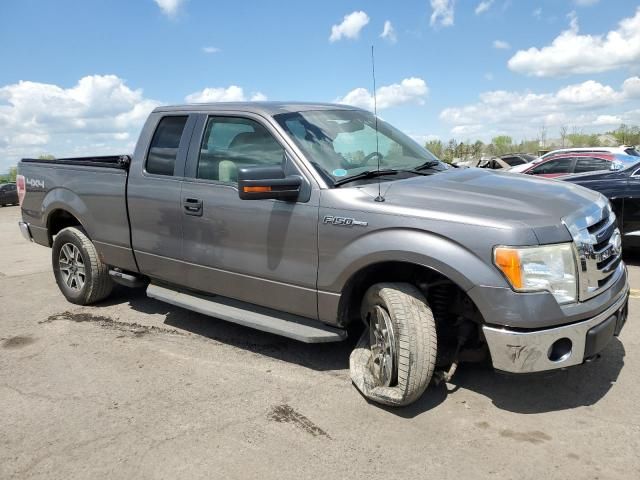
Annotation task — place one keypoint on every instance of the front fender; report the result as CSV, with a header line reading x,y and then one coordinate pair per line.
x,y
462,266
443,255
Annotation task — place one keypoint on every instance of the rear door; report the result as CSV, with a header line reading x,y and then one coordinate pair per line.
x,y
263,252
154,203
591,164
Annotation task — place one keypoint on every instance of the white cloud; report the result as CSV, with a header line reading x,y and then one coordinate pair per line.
x,y
483,6
100,111
350,26
410,90
259,97
443,13
573,53
388,32
522,113
424,138
501,45
608,120
232,93
169,7
585,3
537,13
211,49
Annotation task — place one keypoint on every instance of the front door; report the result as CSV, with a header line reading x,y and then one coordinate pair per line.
x,y
263,252
631,216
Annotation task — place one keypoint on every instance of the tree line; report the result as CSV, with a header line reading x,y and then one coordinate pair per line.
x,y
503,144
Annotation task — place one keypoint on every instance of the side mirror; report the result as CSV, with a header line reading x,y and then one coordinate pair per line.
x,y
258,183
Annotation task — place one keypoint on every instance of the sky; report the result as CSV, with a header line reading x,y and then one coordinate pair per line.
x,y
78,77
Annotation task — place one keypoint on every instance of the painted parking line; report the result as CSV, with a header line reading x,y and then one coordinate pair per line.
x,y
634,293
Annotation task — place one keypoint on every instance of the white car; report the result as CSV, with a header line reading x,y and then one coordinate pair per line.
x,y
622,149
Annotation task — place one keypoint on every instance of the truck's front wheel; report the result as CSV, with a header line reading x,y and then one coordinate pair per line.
x,y
395,358
81,276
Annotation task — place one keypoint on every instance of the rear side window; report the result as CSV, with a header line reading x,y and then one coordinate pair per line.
x,y
230,143
559,165
164,145
590,164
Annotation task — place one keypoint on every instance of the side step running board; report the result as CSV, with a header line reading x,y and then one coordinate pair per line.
x,y
252,316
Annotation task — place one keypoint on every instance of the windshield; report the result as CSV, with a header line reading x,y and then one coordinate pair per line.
x,y
343,143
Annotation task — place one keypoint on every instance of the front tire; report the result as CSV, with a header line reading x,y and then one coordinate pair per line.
x,y
80,274
395,358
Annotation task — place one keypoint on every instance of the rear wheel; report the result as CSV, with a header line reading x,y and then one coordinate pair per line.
x,y
394,360
80,274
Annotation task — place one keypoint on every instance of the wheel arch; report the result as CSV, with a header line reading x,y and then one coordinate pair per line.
x,y
63,208
360,281
59,219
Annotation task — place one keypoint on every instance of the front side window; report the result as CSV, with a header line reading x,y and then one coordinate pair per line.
x,y
344,143
163,151
230,143
559,165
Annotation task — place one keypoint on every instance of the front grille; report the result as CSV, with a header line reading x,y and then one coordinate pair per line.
x,y
598,247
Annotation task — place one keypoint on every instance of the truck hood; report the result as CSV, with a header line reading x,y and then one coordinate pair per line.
x,y
478,196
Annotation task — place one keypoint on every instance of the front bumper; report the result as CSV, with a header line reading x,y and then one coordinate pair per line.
x,y
26,232
559,347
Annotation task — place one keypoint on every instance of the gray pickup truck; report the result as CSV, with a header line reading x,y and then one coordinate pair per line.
x,y
306,220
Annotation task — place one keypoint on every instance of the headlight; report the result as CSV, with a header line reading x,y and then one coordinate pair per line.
x,y
531,269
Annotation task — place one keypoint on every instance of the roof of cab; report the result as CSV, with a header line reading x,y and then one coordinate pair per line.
x,y
265,108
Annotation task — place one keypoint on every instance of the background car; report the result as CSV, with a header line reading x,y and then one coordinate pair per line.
x,y
622,187
503,162
8,194
622,150
579,162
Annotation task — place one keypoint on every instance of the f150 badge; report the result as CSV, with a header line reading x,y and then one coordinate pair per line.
x,y
343,221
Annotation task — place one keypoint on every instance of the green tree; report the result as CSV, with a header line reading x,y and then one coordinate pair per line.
x,y
477,148
46,156
502,143
435,147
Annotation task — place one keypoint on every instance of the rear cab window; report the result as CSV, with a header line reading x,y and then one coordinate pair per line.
x,y
163,151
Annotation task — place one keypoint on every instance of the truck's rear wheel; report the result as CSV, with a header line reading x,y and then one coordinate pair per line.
x,y
81,276
395,358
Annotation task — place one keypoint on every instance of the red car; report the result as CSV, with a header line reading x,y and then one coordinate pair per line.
x,y
579,162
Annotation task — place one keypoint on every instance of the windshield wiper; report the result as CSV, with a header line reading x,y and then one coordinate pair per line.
x,y
428,164
365,174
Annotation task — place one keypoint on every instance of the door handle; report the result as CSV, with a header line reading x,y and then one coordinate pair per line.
x,y
192,206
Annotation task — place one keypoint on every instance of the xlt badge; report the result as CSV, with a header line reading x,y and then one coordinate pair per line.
x,y
343,221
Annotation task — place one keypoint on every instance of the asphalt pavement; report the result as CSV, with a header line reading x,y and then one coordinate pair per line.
x,y
135,388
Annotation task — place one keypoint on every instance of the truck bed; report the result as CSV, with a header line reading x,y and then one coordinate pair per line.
x,y
92,189
108,161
